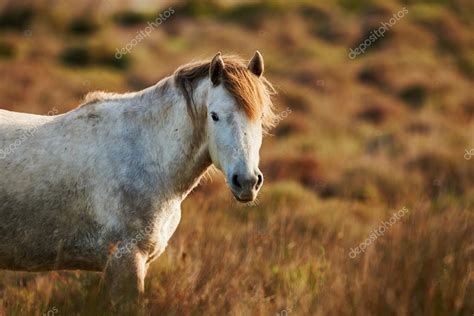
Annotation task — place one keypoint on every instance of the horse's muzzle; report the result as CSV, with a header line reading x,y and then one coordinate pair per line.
x,y
245,187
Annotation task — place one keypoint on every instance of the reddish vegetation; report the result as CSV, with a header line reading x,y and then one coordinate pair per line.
x,y
304,169
362,139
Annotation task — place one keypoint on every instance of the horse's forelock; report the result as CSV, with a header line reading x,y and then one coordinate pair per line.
x,y
253,94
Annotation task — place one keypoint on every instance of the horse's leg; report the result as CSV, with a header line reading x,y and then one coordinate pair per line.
x,y
124,279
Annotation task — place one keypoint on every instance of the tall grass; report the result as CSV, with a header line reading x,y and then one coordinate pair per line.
x,y
364,138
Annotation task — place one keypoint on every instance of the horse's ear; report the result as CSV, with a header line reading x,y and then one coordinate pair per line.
x,y
216,69
256,64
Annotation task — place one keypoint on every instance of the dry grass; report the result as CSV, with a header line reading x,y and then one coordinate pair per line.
x,y
365,137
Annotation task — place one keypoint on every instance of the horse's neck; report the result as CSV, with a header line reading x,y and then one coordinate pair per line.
x,y
183,153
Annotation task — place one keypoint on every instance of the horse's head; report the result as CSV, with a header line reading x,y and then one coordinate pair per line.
x,y
239,109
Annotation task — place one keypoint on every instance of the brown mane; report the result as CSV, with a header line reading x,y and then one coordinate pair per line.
x,y
253,94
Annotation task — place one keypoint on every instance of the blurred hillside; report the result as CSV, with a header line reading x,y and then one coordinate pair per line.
x,y
358,139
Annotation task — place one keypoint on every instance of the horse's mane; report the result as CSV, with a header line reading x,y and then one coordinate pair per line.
x,y
253,94
97,96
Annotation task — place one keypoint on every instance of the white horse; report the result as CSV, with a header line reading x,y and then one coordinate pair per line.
x,y
99,188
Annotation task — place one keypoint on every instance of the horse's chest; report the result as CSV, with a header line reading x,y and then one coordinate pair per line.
x,y
163,230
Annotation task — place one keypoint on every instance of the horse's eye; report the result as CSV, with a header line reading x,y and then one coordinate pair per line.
x,y
214,116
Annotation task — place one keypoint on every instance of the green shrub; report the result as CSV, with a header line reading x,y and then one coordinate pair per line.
x,y
76,56
130,18
105,56
93,55
7,50
465,62
355,5
199,8
414,95
250,14
83,26
17,18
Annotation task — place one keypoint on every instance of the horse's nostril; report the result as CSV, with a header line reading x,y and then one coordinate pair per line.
x,y
259,180
235,181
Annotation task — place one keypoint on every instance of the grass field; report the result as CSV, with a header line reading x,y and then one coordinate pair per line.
x,y
382,139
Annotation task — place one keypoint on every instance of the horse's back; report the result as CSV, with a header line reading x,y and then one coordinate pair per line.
x,y
42,207
18,118
13,124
